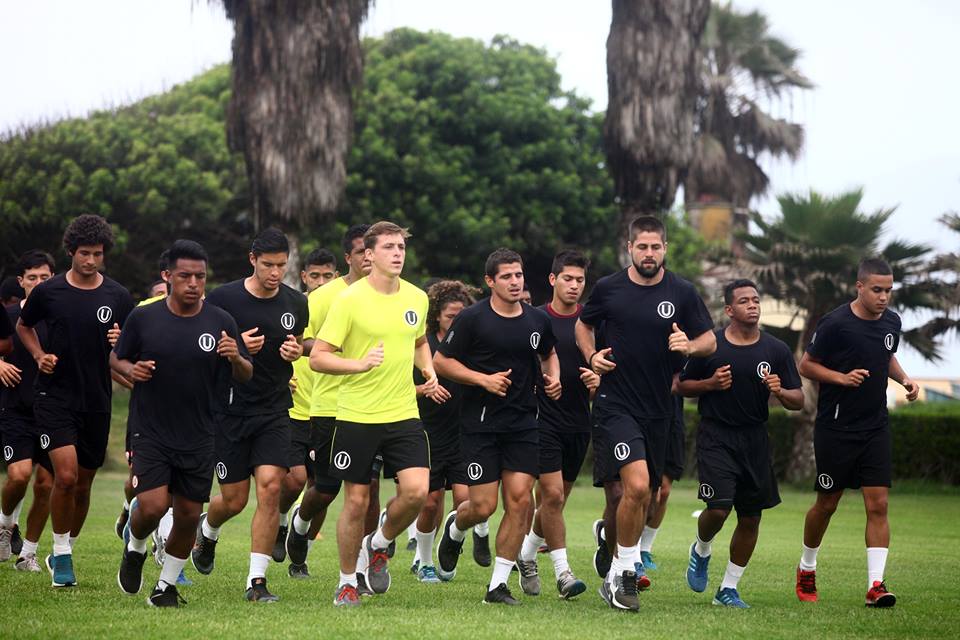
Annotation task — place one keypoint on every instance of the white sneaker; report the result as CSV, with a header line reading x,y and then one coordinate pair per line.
x,y
28,563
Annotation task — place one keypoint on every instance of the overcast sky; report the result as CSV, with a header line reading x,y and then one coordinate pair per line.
x,y
883,114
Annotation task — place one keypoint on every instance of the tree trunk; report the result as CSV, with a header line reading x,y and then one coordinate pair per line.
x,y
292,277
803,464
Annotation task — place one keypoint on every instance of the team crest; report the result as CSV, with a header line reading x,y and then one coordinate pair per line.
x,y
621,451
44,441
134,481
287,321
706,491
341,460
207,342
763,369
7,453
104,314
221,471
666,309
888,341
474,471
535,340
825,481
411,317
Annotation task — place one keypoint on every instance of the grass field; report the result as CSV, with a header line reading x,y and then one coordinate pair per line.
x,y
922,565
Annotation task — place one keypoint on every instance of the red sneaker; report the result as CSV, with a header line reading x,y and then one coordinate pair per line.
x,y
806,585
878,596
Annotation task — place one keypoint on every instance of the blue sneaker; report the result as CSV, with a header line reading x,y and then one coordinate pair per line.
x,y
183,580
729,598
647,559
428,575
643,582
61,568
697,570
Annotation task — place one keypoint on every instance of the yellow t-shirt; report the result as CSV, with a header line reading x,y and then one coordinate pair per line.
x,y
144,303
359,319
323,397
304,393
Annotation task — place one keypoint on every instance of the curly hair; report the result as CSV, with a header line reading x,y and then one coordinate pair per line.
x,y
443,293
88,230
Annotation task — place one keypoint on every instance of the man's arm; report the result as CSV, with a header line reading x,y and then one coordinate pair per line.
x,y
6,346
550,366
324,359
897,374
721,380
812,368
240,368
423,360
587,343
31,342
495,383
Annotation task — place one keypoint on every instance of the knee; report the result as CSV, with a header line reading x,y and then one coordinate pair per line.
x,y
415,496
877,508
485,508
356,502
18,476
636,492
519,502
552,498
826,507
235,503
749,523
66,480
664,493
42,485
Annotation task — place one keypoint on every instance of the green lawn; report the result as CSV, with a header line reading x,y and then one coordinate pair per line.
x,y
921,570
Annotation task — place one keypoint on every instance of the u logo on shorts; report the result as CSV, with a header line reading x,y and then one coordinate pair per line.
x,y
621,451
825,481
221,471
44,441
706,491
7,452
134,481
474,471
341,460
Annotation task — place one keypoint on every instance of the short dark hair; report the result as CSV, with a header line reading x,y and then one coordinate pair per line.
x,y
499,257
319,257
10,288
186,249
569,258
87,230
442,293
269,240
647,223
33,259
382,228
873,267
733,286
354,232
164,259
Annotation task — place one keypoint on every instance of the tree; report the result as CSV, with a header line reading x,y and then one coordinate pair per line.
x,y
946,268
808,257
652,63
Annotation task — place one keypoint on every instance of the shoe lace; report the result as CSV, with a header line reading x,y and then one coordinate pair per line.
x,y
528,569
628,583
349,592
808,581
379,559
879,587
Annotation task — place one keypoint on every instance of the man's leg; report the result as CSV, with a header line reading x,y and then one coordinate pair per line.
x,y
402,509
631,514
39,510
516,490
231,500
480,504
151,505
186,516
62,504
655,517
290,489
350,525
613,493
815,526
742,544
877,535
266,519
426,528
14,489
81,500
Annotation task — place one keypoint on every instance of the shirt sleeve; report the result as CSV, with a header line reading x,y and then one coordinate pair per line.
x,y
336,326
302,315
458,340
821,343
125,305
595,311
424,309
695,320
128,346
694,369
35,308
230,326
786,368
548,340
6,329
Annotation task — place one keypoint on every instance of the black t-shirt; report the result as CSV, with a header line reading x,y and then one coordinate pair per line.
x,y
844,342
441,421
277,317
746,402
191,381
483,340
77,323
21,396
637,323
571,413
6,329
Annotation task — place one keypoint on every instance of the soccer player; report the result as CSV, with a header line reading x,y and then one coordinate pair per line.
x,y
564,430
82,310
21,445
493,349
319,268
253,431
441,420
373,336
10,292
734,386
183,355
648,316
851,354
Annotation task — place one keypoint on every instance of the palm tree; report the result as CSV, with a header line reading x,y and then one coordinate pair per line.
x,y
808,256
652,87
741,65
945,267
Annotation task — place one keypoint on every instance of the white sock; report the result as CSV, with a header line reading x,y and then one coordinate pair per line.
x,y
876,562
455,533
172,566
258,567
808,559
732,576
379,541
412,531
72,541
703,548
560,564
6,521
531,544
501,572
623,561
210,532
309,544
646,539
482,529
61,544
136,544
284,519
300,525
16,511
348,578
362,560
425,547
29,548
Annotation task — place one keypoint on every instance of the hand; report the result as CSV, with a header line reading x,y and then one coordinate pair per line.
x,y
678,341
290,349
373,359
441,395
722,378
497,383
142,371
913,389
589,379
227,347
599,362
551,386
855,378
772,381
292,383
9,374
251,342
430,382
46,362
113,334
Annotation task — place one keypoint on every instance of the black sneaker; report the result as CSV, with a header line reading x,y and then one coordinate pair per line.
x,y
204,552
166,597
298,571
500,595
16,541
130,575
121,522
622,594
481,549
448,550
296,543
601,557
279,553
362,588
412,544
257,591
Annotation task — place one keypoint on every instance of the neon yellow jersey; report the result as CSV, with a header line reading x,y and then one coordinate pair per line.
x,y
144,303
359,319
323,398
304,393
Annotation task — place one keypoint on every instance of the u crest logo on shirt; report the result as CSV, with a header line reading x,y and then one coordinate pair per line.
x,y
287,321
104,314
763,369
411,317
207,342
666,309
888,341
535,340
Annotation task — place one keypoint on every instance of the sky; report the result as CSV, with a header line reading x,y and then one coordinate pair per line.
x,y
882,115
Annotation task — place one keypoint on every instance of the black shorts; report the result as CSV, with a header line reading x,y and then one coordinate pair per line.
x,y
620,438
322,438
446,465
301,444
562,451
88,431
487,455
185,474
852,459
676,456
355,447
19,436
265,441
735,468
